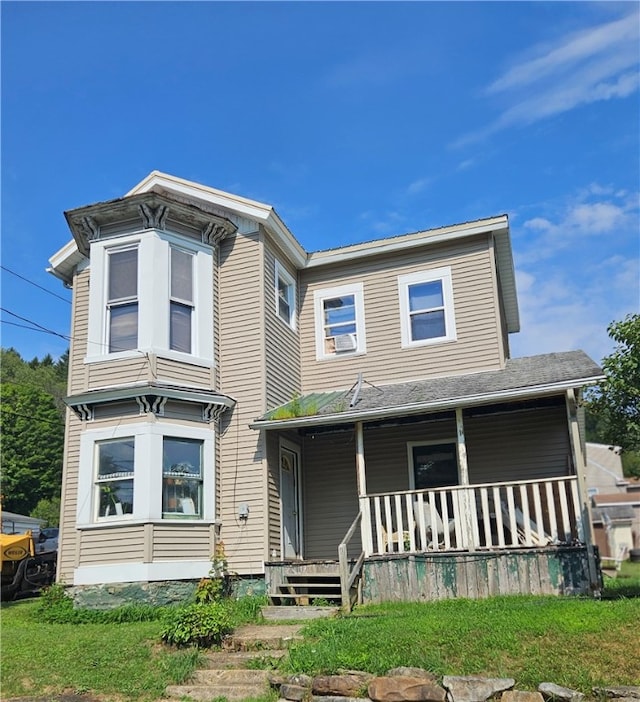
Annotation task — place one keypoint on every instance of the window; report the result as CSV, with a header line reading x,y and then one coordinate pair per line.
x,y
181,478
122,300
285,296
181,300
426,307
339,321
145,472
433,465
151,292
114,480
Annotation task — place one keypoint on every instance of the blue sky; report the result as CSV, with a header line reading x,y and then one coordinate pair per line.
x,y
354,120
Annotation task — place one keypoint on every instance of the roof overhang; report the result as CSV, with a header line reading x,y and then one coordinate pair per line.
x,y
197,193
430,407
498,227
150,397
65,261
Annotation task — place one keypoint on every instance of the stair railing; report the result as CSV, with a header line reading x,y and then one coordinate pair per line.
x,y
347,577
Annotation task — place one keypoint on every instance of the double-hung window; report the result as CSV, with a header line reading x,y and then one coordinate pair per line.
x,y
339,316
285,296
114,478
122,299
181,300
181,478
426,307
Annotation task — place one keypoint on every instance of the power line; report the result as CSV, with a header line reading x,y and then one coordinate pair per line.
x,y
35,324
31,282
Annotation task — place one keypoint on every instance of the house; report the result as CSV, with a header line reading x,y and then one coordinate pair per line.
x,y
348,422
615,502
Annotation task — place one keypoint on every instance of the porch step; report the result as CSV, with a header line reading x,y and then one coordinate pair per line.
x,y
222,660
304,589
295,613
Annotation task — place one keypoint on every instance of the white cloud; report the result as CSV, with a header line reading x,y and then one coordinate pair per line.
x,y
418,186
595,64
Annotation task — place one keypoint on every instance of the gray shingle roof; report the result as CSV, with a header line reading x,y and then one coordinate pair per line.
x,y
526,376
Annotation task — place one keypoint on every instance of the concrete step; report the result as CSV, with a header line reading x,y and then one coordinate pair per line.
x,y
254,637
239,659
237,676
207,693
297,613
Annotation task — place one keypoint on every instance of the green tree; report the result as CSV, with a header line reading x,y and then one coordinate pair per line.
x,y
49,510
32,427
614,405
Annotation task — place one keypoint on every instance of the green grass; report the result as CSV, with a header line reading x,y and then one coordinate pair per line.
x,y
578,643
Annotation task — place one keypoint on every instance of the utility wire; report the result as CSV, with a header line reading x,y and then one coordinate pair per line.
x,y
35,324
31,282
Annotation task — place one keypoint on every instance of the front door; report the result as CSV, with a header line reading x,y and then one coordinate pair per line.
x,y
290,501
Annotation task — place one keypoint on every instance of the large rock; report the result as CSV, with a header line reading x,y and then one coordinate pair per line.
x,y
469,688
405,689
296,693
620,691
551,691
521,696
348,685
409,672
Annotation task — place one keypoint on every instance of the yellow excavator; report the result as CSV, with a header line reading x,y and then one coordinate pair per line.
x,y
23,570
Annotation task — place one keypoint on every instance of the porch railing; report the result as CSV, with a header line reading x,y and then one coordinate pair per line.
x,y
348,575
504,515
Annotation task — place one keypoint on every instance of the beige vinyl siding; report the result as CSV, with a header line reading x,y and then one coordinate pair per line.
x,y
282,346
478,346
112,545
241,368
330,493
181,373
182,542
69,499
272,440
121,372
79,331
522,445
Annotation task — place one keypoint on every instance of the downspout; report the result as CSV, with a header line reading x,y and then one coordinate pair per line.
x,y
585,511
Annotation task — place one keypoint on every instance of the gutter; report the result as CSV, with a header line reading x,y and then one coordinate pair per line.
x,y
424,407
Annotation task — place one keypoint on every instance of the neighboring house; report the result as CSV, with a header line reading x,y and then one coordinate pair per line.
x,y
360,401
13,523
615,502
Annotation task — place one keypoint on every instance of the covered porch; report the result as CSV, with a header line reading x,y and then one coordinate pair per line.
x,y
494,480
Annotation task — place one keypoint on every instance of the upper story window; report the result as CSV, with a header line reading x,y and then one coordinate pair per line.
x,y
181,300
285,294
122,299
426,307
339,314
151,292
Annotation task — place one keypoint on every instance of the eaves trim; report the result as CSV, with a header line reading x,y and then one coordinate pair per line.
x,y
351,416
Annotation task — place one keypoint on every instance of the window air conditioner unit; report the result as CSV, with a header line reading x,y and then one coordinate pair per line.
x,y
345,342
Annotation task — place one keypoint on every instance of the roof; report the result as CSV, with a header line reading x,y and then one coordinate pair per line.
x,y
204,197
617,498
614,513
522,378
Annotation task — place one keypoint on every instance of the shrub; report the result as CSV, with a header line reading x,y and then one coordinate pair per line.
x,y
201,625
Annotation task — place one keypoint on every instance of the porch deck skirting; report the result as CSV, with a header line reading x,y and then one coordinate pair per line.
x,y
561,570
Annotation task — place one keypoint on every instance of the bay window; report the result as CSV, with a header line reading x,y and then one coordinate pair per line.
x,y
151,292
181,478
114,479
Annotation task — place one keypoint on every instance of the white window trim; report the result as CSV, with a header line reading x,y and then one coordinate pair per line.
x,y
153,285
147,472
431,442
281,272
404,282
355,289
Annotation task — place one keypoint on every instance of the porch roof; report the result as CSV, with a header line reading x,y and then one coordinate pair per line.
x,y
522,378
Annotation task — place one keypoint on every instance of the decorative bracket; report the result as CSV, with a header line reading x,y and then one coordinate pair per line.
x,y
83,412
214,232
212,412
90,228
153,218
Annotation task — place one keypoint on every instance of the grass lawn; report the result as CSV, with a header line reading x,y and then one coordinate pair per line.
x,y
118,661
574,642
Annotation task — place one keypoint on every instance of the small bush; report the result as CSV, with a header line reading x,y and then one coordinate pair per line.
x,y
201,625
